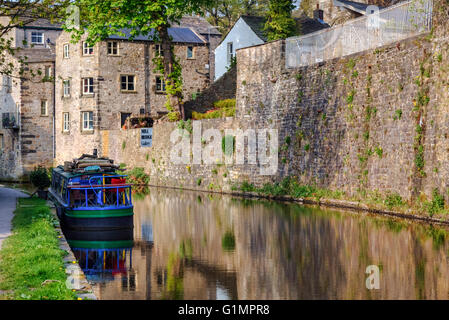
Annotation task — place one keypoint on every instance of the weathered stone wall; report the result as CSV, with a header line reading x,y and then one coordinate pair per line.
x,y
374,121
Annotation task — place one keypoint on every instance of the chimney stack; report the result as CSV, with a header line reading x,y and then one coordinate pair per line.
x,y
318,14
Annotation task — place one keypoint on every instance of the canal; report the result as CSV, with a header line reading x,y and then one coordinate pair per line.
x,y
189,245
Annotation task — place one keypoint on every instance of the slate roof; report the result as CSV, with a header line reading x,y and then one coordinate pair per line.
x,y
199,24
304,24
354,6
180,35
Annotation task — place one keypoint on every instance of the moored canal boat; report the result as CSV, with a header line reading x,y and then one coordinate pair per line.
x,y
90,195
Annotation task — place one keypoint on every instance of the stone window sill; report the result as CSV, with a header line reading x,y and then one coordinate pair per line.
x,y
87,132
128,91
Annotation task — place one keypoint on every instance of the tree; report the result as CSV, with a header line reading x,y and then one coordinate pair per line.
x,y
152,18
224,13
21,13
280,24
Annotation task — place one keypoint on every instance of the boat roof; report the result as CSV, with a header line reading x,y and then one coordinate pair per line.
x,y
69,175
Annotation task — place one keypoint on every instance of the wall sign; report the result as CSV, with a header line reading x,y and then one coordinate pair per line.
x,y
146,137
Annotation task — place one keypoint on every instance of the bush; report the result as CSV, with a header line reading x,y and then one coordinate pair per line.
x,y
40,179
138,176
223,108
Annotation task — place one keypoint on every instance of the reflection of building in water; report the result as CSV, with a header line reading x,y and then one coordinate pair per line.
x,y
217,248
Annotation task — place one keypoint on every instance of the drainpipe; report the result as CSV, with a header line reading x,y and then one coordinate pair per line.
x,y
54,111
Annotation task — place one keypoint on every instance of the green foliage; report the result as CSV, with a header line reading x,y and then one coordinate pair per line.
x,y
393,200
350,97
40,178
186,125
397,114
31,264
307,147
280,24
228,145
174,116
379,151
223,108
247,187
138,176
199,181
436,205
228,241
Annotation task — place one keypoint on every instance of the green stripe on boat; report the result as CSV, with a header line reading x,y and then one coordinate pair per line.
x,y
99,213
79,244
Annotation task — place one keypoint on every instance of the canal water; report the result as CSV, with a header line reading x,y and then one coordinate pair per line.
x,y
189,245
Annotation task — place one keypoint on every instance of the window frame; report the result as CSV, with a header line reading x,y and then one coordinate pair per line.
x,y
89,85
229,53
65,122
34,34
162,85
48,72
128,83
193,53
66,84
89,121
2,142
87,51
158,52
110,48
66,51
44,103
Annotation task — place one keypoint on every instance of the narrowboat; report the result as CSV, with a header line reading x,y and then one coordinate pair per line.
x,y
89,195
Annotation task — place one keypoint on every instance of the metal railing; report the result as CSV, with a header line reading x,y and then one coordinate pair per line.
x,y
100,196
377,29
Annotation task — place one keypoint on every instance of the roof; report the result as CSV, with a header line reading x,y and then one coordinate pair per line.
x,y
304,25
40,24
199,24
353,6
180,35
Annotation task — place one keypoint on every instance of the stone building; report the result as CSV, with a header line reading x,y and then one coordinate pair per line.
x,y
336,12
209,32
99,87
27,99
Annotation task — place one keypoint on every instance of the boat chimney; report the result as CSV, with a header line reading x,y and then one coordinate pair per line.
x,y
95,153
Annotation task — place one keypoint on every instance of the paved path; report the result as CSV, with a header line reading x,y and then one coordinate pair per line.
x,y
7,206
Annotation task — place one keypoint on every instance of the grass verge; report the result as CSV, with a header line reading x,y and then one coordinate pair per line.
x,y
434,207
31,262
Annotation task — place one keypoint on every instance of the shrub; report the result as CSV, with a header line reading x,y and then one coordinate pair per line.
x,y
138,176
393,200
223,108
39,178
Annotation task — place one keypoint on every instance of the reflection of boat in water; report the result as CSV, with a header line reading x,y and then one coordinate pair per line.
x,y
89,195
102,254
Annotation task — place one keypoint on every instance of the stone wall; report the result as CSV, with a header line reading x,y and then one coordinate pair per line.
x,y
373,121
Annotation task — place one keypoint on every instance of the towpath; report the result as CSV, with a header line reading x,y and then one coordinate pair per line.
x,y
8,199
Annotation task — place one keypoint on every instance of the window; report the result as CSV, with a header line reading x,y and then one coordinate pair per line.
x,y
88,85
190,52
87,50
123,117
127,82
66,86
66,122
44,108
66,51
230,52
158,50
160,84
88,121
37,37
113,48
48,72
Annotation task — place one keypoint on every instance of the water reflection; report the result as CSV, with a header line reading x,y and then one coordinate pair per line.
x,y
189,245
